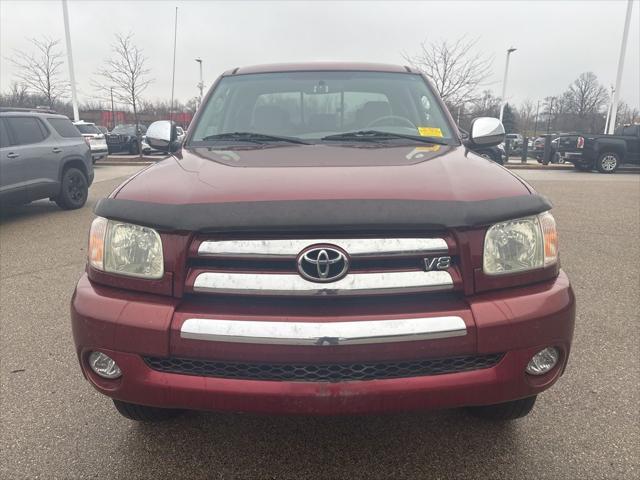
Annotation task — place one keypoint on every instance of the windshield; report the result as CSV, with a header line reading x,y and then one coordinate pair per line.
x,y
87,128
125,129
315,105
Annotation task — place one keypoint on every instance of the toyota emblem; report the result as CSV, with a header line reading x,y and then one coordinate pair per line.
x,y
323,264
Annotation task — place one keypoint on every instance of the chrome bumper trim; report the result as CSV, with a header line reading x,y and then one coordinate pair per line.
x,y
355,247
328,333
295,285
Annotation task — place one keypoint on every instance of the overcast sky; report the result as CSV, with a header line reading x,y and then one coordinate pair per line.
x,y
556,40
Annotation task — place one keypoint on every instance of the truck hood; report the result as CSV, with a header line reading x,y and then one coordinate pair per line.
x,y
322,172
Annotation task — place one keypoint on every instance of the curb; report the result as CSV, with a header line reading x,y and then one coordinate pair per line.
x,y
538,166
122,164
128,160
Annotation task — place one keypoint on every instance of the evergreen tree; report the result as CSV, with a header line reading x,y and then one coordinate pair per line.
x,y
509,120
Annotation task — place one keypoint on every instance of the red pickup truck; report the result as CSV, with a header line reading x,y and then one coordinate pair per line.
x,y
322,242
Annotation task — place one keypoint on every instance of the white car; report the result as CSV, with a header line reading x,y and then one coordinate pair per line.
x,y
180,138
95,138
145,146
181,134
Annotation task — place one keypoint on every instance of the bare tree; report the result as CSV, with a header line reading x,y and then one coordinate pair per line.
x,y
586,95
626,114
18,95
91,104
527,113
454,69
126,73
192,105
486,105
39,71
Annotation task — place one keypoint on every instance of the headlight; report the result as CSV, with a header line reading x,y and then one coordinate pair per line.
x,y
125,249
520,245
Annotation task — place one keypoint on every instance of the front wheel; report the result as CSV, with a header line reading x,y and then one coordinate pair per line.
x,y
74,190
143,413
608,162
505,411
134,149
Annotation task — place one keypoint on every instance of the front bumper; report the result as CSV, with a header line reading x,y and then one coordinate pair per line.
x,y
517,322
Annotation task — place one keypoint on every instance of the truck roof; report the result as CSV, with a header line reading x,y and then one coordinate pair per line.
x,y
319,66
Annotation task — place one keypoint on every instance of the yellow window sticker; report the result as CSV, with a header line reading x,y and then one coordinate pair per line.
x,y
429,132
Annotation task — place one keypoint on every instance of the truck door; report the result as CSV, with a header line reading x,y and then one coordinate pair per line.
x,y
632,134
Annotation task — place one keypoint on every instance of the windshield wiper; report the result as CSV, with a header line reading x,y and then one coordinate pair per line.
x,y
253,138
376,135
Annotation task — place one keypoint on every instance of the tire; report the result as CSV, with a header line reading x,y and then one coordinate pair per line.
x,y
133,148
74,189
142,413
505,411
608,162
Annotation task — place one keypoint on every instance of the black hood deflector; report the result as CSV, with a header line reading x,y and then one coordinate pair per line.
x,y
319,215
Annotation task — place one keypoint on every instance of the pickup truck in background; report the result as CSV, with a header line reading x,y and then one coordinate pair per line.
x,y
604,153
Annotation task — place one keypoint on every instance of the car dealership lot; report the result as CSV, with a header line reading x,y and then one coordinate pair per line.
x,y
54,425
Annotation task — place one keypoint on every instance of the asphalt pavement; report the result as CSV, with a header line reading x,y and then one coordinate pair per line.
x,y
54,425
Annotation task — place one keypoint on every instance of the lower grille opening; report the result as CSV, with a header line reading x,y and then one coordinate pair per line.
x,y
322,372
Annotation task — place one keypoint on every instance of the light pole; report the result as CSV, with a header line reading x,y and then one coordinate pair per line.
x,y
173,70
504,81
549,117
113,113
535,125
623,50
201,84
72,77
606,122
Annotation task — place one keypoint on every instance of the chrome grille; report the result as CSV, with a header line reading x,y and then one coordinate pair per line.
x,y
271,267
290,248
322,372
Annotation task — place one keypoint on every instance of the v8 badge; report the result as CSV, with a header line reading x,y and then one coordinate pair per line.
x,y
437,263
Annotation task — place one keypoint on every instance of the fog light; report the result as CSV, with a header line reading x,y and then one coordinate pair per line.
x,y
543,361
104,365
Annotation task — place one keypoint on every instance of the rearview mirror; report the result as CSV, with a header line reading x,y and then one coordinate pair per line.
x,y
162,135
486,132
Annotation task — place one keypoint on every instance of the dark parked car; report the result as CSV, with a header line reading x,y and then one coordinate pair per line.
x,y
123,138
604,153
43,155
538,148
495,152
324,244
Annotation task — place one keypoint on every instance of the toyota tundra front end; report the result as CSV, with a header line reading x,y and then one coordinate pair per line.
x,y
323,243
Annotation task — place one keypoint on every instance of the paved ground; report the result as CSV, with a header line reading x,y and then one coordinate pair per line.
x,y
54,425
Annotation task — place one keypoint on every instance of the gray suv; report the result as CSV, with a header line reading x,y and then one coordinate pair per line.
x,y
43,155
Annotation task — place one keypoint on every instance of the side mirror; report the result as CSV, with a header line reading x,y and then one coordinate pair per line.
x,y
162,135
486,132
